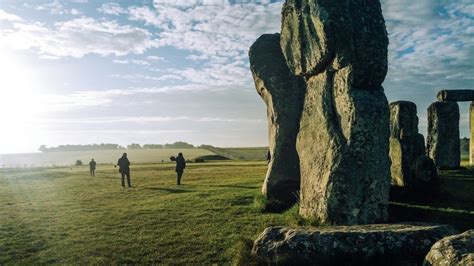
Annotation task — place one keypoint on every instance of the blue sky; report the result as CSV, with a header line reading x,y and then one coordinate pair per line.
x,y
78,71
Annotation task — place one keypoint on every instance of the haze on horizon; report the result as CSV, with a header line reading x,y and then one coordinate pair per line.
x,y
82,72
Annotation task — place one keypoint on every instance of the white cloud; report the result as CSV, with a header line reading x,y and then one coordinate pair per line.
x,y
146,119
9,17
112,9
78,37
55,8
210,28
131,61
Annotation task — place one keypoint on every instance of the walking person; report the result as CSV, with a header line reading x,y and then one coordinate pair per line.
x,y
92,165
124,169
180,165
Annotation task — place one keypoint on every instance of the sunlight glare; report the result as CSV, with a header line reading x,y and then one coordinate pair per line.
x,y
19,106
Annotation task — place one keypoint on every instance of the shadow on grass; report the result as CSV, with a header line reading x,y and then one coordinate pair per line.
x,y
466,174
237,186
169,190
404,212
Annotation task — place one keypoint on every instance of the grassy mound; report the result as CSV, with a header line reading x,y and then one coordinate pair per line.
x,y
212,157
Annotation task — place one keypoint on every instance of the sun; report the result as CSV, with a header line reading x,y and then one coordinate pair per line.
x,y
18,102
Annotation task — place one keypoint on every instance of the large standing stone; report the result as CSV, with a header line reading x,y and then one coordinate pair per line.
x,y
424,180
443,144
455,95
471,128
341,49
406,144
378,244
283,94
452,250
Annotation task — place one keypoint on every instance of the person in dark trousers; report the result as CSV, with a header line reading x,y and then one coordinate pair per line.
x,y
180,165
269,156
92,165
124,169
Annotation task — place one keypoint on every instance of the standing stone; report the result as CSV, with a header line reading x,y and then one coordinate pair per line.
x,y
455,95
471,128
283,93
341,49
406,144
443,145
424,179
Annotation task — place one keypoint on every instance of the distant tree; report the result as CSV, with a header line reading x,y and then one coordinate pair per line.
x,y
134,146
79,163
153,146
179,145
43,148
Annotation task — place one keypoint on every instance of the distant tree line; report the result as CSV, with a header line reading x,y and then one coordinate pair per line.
x,y
87,147
110,146
176,145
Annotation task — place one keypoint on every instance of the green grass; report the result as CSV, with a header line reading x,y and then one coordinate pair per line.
x,y
101,157
64,216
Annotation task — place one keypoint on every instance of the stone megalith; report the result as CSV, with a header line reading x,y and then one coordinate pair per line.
x,y
443,144
406,144
340,47
452,250
471,128
283,93
373,244
455,95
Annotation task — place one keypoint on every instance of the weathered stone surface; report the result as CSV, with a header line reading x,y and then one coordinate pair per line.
x,y
443,134
424,176
452,250
455,95
341,49
343,149
321,34
378,244
283,94
471,128
406,144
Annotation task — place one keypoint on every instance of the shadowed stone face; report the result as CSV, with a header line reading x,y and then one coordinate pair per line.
x,y
455,95
443,134
406,144
283,93
340,47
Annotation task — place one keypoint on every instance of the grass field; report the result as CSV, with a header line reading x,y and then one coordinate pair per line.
x,y
139,156
101,157
64,216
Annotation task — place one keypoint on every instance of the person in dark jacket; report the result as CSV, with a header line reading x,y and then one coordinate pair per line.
x,y
92,165
124,169
180,165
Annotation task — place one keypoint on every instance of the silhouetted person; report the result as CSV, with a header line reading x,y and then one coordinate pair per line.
x,y
269,156
180,165
92,165
124,169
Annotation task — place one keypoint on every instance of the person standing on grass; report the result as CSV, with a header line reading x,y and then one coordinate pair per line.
x,y
180,165
124,169
92,165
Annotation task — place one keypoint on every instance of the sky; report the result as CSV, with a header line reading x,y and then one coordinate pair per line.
x,y
160,71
